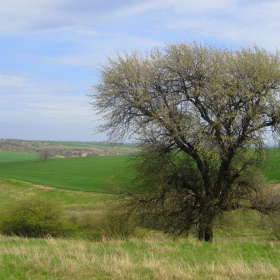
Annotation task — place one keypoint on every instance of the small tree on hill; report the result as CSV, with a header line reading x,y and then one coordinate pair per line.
x,y
201,114
44,154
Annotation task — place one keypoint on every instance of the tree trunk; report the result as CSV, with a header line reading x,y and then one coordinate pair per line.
x,y
208,236
205,233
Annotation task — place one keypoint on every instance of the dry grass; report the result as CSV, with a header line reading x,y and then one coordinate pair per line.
x,y
163,260
243,252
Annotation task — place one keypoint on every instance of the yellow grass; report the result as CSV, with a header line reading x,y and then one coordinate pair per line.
x,y
243,252
161,260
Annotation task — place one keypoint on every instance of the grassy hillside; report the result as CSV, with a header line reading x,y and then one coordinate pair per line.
x,y
242,250
66,148
243,247
12,191
84,174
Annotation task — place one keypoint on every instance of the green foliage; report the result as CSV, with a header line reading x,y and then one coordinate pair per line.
x,y
212,104
35,218
169,185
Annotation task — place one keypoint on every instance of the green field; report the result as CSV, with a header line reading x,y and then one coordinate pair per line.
x,y
89,173
271,168
6,156
84,174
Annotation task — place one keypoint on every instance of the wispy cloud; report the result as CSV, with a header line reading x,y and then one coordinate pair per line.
x,y
50,50
232,22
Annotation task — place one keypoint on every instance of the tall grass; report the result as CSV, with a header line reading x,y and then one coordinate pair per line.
x,y
242,251
152,258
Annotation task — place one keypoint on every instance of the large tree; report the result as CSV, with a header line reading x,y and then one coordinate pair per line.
x,y
201,114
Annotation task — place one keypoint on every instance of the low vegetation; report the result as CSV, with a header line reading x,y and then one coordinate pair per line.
x,y
38,211
154,257
87,236
244,248
35,218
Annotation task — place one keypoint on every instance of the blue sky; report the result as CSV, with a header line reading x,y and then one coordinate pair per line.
x,y
50,51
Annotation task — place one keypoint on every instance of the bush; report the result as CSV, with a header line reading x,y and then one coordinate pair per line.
x,y
111,223
35,218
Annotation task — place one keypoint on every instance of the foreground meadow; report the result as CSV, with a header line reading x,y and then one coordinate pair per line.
x,y
154,257
241,250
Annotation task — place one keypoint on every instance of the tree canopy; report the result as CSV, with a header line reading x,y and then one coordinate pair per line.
x,y
202,114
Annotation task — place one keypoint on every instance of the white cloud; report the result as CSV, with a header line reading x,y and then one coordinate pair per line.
x,y
32,100
51,49
232,22
12,80
17,16
229,20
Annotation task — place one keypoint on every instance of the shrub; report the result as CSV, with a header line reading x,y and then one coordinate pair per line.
x,y
111,223
35,218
